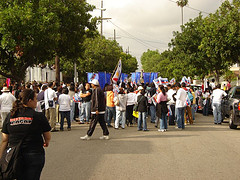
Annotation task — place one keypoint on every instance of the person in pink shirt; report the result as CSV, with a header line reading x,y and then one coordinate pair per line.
x,y
162,99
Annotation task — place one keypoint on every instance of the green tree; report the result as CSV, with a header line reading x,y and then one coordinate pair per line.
x,y
28,34
129,63
75,24
100,54
182,3
149,60
221,41
32,32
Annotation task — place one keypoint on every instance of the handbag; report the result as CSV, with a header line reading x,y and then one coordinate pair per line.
x,y
10,162
135,107
50,102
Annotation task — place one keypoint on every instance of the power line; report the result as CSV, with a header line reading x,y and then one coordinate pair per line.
x,y
133,37
157,42
191,7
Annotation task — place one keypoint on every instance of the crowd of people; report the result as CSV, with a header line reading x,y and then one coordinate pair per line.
x,y
165,104
74,102
29,112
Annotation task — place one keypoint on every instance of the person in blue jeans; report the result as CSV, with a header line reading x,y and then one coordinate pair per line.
x,y
162,98
142,110
217,96
86,104
64,102
181,98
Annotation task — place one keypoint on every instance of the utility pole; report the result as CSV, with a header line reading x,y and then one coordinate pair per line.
x,y
114,36
101,19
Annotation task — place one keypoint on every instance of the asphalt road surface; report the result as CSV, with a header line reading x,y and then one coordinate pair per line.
x,y
201,151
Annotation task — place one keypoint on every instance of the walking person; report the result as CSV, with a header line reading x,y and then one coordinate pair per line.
x,y
217,96
6,102
98,107
25,122
64,102
162,99
142,110
180,105
121,104
50,97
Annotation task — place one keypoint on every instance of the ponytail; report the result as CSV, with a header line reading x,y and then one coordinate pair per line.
x,y
17,106
24,97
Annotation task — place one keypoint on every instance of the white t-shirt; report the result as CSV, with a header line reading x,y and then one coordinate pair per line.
x,y
181,98
49,94
131,98
217,96
6,101
212,84
64,102
170,98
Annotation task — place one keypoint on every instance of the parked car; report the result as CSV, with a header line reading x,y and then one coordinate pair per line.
x,y
231,107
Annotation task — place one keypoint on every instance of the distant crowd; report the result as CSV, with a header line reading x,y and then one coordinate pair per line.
x,y
122,105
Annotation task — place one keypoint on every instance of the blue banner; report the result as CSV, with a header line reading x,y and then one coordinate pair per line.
x,y
146,77
102,77
153,76
138,75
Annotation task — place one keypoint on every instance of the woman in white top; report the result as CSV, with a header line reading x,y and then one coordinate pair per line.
x,y
121,105
131,100
64,108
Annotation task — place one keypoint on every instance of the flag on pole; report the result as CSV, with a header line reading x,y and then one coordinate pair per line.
x,y
117,73
156,82
173,81
163,81
185,80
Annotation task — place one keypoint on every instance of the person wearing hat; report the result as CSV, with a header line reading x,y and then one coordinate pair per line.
x,y
6,102
98,108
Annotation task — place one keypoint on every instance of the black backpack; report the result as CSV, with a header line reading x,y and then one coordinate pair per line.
x,y
11,162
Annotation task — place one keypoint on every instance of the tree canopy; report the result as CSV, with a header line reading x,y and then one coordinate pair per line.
x,y
32,32
205,46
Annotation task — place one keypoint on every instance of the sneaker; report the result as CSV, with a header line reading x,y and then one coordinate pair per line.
x,y
161,130
104,137
69,129
85,137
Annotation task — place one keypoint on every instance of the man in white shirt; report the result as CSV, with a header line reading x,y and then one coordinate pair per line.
x,y
180,106
217,96
171,104
6,102
50,97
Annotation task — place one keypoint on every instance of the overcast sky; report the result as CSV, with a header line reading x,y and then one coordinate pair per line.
x,y
147,24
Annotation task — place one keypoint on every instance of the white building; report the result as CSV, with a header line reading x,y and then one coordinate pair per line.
x,y
41,74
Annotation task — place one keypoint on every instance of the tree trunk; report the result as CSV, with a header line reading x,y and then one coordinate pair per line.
x,y
57,66
217,77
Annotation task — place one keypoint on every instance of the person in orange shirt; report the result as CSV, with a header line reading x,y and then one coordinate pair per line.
x,y
111,109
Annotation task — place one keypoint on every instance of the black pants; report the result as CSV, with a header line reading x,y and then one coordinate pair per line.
x,y
32,166
97,118
172,116
129,114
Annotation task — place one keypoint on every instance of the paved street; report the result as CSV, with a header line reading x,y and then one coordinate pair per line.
x,y
201,151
